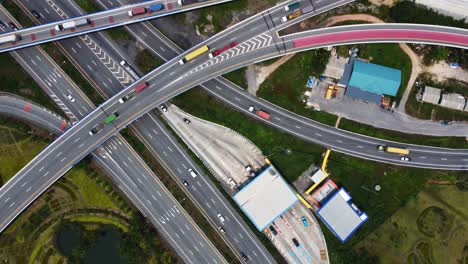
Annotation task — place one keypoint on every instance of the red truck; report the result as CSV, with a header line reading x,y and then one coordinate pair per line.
x,y
223,49
259,112
137,11
140,87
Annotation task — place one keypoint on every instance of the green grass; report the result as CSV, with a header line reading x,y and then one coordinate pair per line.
x,y
401,237
146,62
400,185
119,33
92,194
15,154
272,142
429,111
285,87
89,6
221,14
238,77
15,80
445,142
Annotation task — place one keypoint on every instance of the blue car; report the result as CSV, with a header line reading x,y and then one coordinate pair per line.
x,y
304,221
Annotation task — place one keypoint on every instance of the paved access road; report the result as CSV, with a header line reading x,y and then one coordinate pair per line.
x,y
116,157
165,82
95,22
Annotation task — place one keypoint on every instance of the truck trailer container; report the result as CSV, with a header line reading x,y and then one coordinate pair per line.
x,y
291,16
111,118
292,6
72,24
401,151
192,55
140,87
137,11
156,7
9,39
260,113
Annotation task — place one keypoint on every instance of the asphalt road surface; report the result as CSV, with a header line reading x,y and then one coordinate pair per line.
x,y
103,73
121,163
171,79
95,22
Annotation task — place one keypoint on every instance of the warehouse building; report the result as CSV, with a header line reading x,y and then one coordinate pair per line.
x,y
431,95
265,198
341,216
370,82
453,101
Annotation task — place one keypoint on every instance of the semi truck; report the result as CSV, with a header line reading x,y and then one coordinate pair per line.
x,y
111,118
223,49
401,151
192,55
140,87
137,11
292,6
291,16
130,70
156,7
72,24
260,113
9,39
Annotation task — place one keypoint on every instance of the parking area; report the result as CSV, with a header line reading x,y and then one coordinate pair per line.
x,y
226,153
311,247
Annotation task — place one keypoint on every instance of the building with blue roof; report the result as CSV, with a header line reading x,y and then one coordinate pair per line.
x,y
370,82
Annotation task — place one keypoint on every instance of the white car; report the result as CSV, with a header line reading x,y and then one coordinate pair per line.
x,y
405,158
193,173
252,109
70,98
221,218
163,108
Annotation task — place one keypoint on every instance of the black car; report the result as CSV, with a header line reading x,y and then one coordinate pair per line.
x,y
185,182
296,243
2,25
35,14
12,26
244,257
187,121
273,230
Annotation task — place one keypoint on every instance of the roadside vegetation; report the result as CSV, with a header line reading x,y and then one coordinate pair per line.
x,y
238,77
443,142
285,87
424,110
146,62
120,34
17,13
89,6
85,200
15,80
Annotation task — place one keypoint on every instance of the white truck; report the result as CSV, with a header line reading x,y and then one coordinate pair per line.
x,y
9,39
72,24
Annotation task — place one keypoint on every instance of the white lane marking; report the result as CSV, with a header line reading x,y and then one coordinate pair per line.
x,y
28,189
339,141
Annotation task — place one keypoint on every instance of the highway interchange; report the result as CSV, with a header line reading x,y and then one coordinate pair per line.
x,y
354,145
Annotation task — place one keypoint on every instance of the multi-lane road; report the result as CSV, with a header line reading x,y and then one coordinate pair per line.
x,y
260,43
94,22
110,81
172,79
121,163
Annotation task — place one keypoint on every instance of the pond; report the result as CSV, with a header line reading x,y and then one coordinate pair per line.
x,y
103,249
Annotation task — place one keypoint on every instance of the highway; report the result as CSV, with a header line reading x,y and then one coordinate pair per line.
x,y
121,163
103,73
19,108
44,33
178,78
